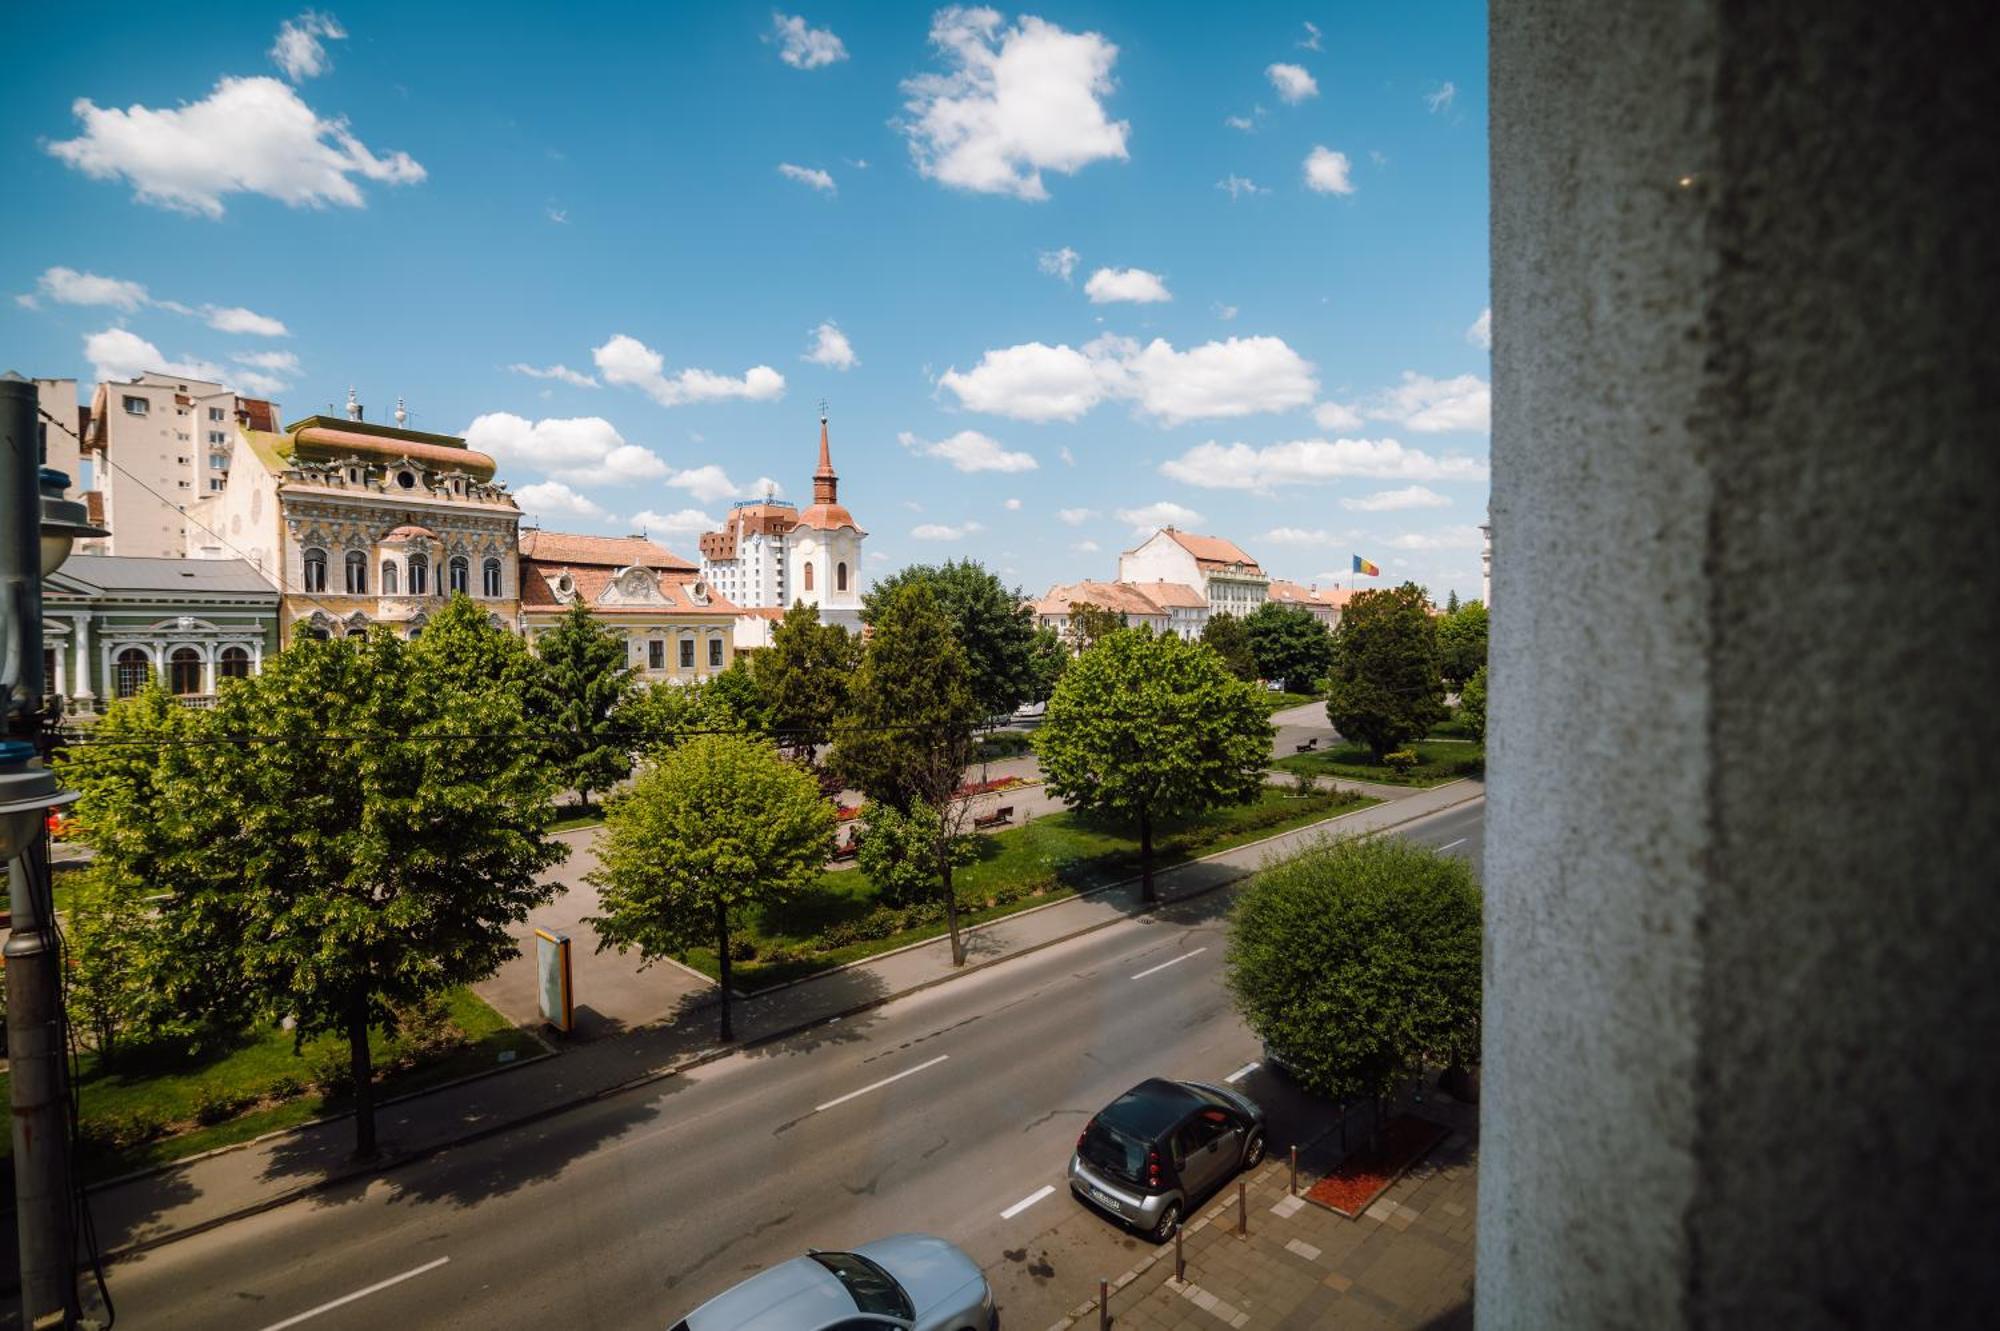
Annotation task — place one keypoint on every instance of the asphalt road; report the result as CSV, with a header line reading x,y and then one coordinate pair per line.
x,y
937,1112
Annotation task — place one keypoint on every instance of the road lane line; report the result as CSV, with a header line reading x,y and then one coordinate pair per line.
x,y
1461,841
375,1288
1175,962
1027,1201
1241,1073
876,1086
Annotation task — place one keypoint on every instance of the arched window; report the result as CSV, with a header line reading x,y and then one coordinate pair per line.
x,y
388,578
420,575
133,670
840,577
809,577
490,577
235,663
315,570
184,668
357,573
460,571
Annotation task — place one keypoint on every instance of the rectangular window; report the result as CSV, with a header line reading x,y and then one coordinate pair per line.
x,y
137,406
215,483
687,653
215,413
217,437
715,653
656,655
218,461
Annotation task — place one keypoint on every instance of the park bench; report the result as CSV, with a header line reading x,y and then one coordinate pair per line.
x,y
1308,746
999,817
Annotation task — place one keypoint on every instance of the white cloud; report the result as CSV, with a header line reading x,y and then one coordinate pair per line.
x,y
1012,505
1214,466
628,362
1436,406
1014,102
1057,263
582,450
804,47
1237,186
1389,501
831,348
681,522
1441,97
1480,334
560,373
1085,547
1300,536
969,450
709,483
1443,538
66,286
236,319
1336,416
1293,83
554,499
1310,41
808,175
298,51
1236,377
1326,172
277,362
1162,514
258,383
938,531
1076,517
1068,458
1128,284
1224,312
250,135
1244,123
117,353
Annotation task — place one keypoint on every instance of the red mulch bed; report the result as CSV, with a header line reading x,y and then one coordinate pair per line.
x,y
846,812
1366,1175
972,788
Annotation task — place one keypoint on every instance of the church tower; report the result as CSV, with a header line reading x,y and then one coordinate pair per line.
x,y
823,556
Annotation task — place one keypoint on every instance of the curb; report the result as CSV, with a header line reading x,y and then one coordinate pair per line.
x,y
385,1166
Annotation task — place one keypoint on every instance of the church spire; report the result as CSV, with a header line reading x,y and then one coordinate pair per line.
x,y
825,482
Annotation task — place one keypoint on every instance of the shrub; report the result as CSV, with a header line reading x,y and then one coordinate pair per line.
x,y
1001,744
286,1086
1304,783
1402,762
329,1068
425,1030
214,1104
742,949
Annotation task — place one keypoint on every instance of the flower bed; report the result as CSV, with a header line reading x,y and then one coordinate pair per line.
x,y
971,788
847,813
1352,1187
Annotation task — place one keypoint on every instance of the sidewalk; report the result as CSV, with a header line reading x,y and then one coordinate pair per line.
x,y
200,1193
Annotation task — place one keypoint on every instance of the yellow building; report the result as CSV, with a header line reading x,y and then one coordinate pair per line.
x,y
675,626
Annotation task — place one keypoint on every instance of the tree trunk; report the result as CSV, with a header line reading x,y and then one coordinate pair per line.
x,y
722,962
363,1070
950,904
1146,892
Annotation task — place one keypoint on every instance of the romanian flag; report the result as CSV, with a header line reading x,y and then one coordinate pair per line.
x,y
1364,567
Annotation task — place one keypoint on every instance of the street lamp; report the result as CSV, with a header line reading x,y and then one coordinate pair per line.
x,y
63,521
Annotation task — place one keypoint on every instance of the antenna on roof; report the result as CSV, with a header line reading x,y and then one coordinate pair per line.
x,y
401,415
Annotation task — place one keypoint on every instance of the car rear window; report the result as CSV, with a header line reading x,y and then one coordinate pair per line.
x,y
1113,1153
872,1289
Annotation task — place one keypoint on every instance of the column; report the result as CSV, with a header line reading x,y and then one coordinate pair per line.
x,y
81,621
1740,1000
208,668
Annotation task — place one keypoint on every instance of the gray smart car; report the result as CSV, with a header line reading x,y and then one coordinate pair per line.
x,y
1160,1148
911,1282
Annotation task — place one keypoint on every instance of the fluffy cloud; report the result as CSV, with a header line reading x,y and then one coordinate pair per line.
x,y
711,483
1236,377
117,353
1441,97
560,373
1326,172
1336,416
66,286
1012,505
250,135
1214,466
938,531
1057,263
1310,42
277,362
1085,547
1162,514
1480,334
1300,536
1244,123
1128,284
1076,517
630,363
681,522
1293,83
1436,406
831,348
554,499
1237,186
969,450
298,50
582,450
1014,102
1389,501
267,373
807,175
1444,538
804,47
236,319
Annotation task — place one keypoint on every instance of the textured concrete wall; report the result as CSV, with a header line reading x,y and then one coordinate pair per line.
x,y
1743,849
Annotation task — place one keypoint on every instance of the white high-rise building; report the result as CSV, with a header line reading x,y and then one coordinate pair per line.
x,y
158,445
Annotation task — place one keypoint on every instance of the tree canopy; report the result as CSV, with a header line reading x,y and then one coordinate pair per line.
x,y
583,680
1472,703
1357,961
1225,635
1461,643
803,678
1289,644
1385,688
1049,658
993,624
1145,728
1091,624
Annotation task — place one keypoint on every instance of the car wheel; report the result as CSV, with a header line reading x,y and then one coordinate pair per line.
x,y
1170,1220
1253,1150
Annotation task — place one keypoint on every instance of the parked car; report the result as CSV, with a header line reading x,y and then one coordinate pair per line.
x,y
1156,1151
910,1281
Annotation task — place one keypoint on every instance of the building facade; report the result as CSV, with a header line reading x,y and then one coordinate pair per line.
x,y
1230,581
1325,606
61,428
1054,609
676,628
158,445
114,622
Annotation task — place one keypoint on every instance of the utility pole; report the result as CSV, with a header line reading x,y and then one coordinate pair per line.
x,y
35,1044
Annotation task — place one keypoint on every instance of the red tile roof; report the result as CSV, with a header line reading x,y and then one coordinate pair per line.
x,y
1212,551
592,581
1120,596
1169,595
254,413
610,552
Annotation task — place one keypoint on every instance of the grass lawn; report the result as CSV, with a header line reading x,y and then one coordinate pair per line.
x,y
1438,761
161,1089
1452,728
1052,857
574,821
1278,702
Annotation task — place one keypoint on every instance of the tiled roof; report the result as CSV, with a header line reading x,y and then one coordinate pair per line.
x,y
334,442
592,581
829,517
102,574
610,552
1120,596
1212,551
1170,595
257,414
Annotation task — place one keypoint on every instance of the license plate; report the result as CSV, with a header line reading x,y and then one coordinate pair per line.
x,y
1103,1200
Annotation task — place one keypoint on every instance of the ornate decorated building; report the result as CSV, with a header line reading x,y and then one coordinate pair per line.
x,y
676,628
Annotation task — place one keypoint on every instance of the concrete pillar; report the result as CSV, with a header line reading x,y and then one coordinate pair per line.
x,y
82,691
1743,832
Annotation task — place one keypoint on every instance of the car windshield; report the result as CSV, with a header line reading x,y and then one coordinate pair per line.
x,y
1109,1151
873,1289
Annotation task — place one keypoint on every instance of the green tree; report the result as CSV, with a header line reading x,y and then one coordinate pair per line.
x,y
908,736
664,714
1145,728
994,625
803,679
899,854
1461,643
1451,603
365,843
710,829
1385,687
116,955
1049,658
1290,645
1472,703
1091,624
583,680
1357,961
464,641
1227,638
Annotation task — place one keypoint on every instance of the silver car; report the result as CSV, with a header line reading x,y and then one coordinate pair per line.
x,y
1157,1150
911,1281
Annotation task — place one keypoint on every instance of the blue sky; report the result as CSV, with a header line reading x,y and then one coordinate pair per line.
x,y
1093,266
